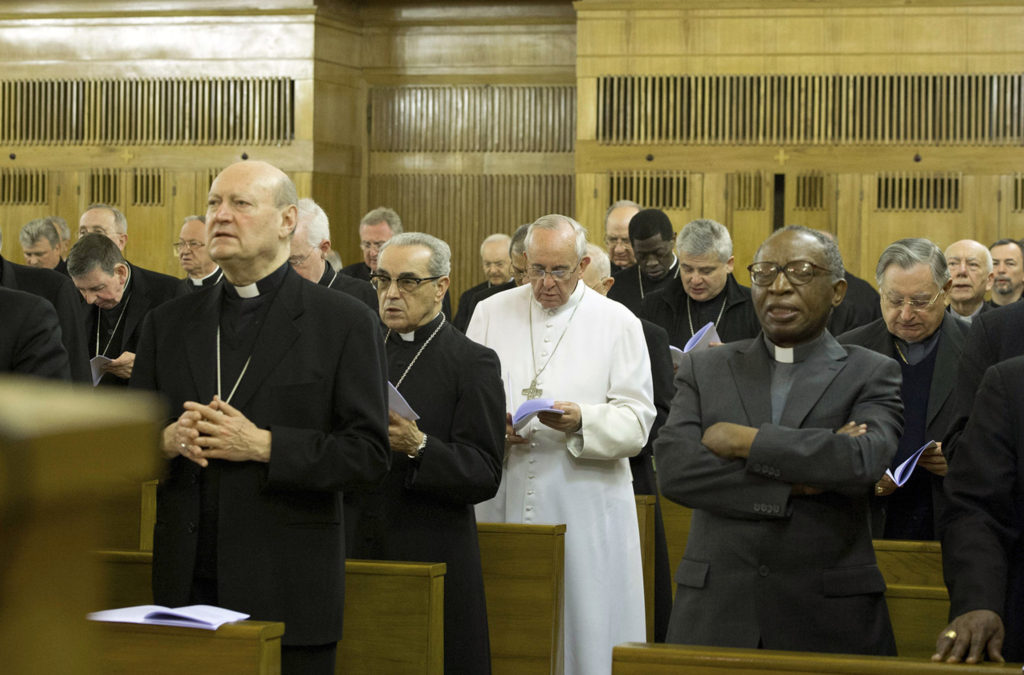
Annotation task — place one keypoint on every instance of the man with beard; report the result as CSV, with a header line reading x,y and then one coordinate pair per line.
x,y
1008,266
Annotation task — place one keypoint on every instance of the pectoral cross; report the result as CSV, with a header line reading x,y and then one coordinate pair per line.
x,y
532,391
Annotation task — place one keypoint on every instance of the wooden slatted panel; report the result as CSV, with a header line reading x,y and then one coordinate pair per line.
x,y
204,111
810,191
148,187
21,187
105,187
473,118
667,190
903,191
1018,193
948,109
747,191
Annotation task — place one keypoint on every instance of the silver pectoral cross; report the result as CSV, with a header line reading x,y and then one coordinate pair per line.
x,y
532,391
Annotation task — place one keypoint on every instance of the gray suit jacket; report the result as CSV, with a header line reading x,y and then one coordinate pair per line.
x,y
763,567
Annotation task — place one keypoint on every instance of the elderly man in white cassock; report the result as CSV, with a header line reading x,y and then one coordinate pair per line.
x,y
558,339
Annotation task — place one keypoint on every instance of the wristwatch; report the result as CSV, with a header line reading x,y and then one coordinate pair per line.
x,y
418,452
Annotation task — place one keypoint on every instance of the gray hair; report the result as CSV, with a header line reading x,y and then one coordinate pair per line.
x,y
554,221
91,251
494,239
383,214
440,264
618,205
905,253
318,227
40,228
189,219
599,261
120,222
62,227
703,236
518,244
833,259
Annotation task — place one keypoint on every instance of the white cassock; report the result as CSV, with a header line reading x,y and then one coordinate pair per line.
x,y
581,479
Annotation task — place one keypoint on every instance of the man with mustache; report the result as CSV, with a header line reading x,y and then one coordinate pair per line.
x,y
776,443
1008,266
650,233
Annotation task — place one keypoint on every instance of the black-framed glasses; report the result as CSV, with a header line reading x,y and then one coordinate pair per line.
x,y
913,304
617,241
191,245
798,272
382,282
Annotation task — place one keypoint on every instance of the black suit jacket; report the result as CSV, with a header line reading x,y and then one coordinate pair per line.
x,y
58,289
467,303
859,307
317,383
631,288
148,290
30,337
357,288
994,336
941,396
667,308
983,526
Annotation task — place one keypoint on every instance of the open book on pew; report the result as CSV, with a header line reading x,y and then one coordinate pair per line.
x,y
902,473
206,617
530,408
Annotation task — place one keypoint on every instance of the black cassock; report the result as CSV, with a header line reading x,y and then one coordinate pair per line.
x,y
424,509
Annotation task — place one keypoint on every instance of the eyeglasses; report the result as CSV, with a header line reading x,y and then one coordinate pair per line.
x,y
536,272
616,241
798,272
912,303
371,245
382,282
297,260
190,245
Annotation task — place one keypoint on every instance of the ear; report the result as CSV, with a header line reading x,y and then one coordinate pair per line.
x,y
442,287
289,219
729,264
838,292
121,272
584,261
122,241
607,282
325,247
990,281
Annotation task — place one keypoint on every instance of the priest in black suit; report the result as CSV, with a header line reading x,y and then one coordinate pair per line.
x,y
57,289
705,292
310,245
859,307
278,386
926,341
375,228
650,233
118,295
497,266
983,528
447,460
200,271
517,267
30,337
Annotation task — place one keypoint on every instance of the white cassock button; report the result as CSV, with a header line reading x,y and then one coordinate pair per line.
x,y
530,492
532,460
533,445
530,476
529,508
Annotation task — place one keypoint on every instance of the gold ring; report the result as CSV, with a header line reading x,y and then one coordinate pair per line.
x,y
878,490
951,634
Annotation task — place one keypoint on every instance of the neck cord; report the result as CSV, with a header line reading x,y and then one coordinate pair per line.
x,y
533,352
689,317
411,363
99,319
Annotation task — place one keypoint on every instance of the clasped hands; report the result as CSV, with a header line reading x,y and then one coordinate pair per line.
x,y
215,431
730,441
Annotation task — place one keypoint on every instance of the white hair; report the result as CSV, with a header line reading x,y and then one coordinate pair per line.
x,y
318,227
554,221
599,261
503,239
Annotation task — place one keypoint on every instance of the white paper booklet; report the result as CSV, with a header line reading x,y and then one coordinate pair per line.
x,y
96,364
398,405
902,473
529,409
206,617
703,338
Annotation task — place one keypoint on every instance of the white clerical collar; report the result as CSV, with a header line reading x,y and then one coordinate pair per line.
x,y
411,335
200,280
574,299
247,291
793,354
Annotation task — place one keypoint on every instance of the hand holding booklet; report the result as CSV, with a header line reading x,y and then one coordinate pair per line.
x,y
902,473
703,338
529,409
206,617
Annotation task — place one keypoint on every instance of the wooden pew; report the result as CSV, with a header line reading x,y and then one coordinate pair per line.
x,y
382,600
636,658
524,567
917,613
645,518
914,563
242,648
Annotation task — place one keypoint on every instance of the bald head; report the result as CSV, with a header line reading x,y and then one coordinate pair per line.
x,y
970,264
250,219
